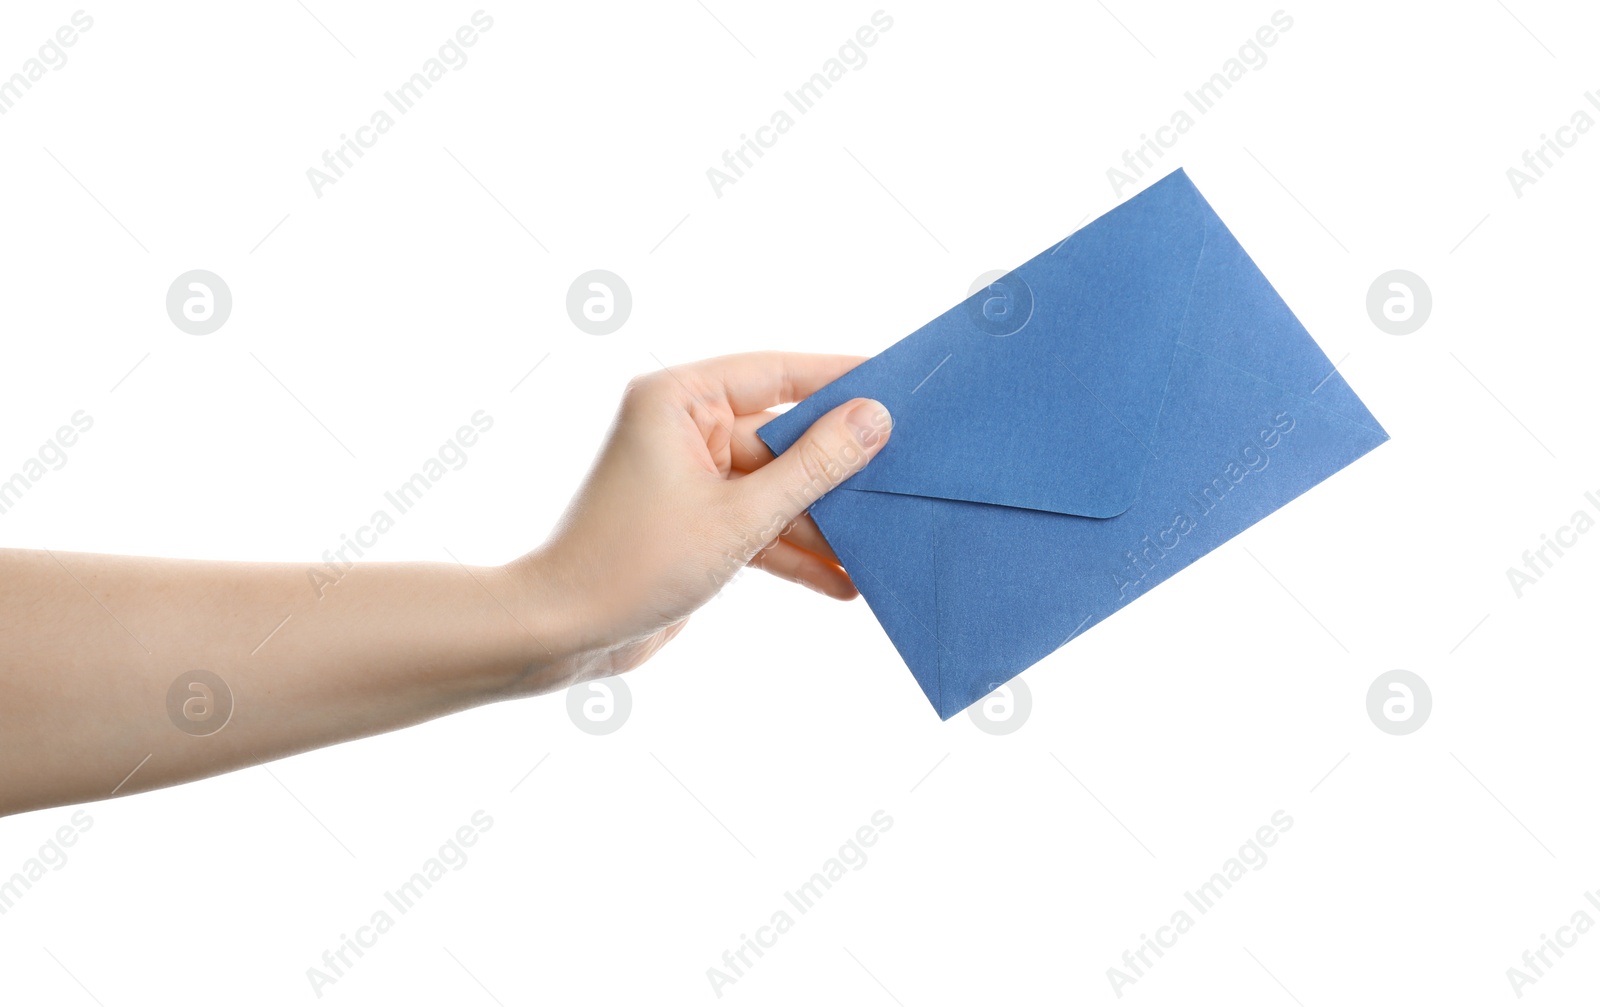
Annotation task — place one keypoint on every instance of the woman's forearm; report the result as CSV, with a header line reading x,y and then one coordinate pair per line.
x,y
100,655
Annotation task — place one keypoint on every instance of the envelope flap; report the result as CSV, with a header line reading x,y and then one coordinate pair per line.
x,y
1043,390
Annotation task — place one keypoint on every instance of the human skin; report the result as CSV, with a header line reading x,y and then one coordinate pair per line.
x,y
682,495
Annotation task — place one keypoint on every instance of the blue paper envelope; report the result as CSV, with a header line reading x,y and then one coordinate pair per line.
x,y
1074,434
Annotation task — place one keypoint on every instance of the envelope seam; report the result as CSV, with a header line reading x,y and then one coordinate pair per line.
x,y
1325,410
933,552
856,567
1183,326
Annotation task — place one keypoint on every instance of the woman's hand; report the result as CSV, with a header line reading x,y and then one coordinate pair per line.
x,y
683,496
101,657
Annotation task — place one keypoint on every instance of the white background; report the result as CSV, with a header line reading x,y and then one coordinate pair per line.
x,y
1018,867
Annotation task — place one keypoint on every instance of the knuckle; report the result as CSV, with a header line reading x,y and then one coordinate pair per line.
x,y
642,389
639,384
820,466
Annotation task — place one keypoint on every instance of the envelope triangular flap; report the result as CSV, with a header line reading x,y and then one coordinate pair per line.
x,y
1056,415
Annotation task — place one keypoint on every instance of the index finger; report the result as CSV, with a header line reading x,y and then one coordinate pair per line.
x,y
752,382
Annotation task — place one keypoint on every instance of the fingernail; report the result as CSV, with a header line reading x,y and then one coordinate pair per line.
x,y
869,421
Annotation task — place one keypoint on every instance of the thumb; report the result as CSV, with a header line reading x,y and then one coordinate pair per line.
x,y
837,446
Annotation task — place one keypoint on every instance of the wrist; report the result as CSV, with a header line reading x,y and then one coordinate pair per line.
x,y
545,608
